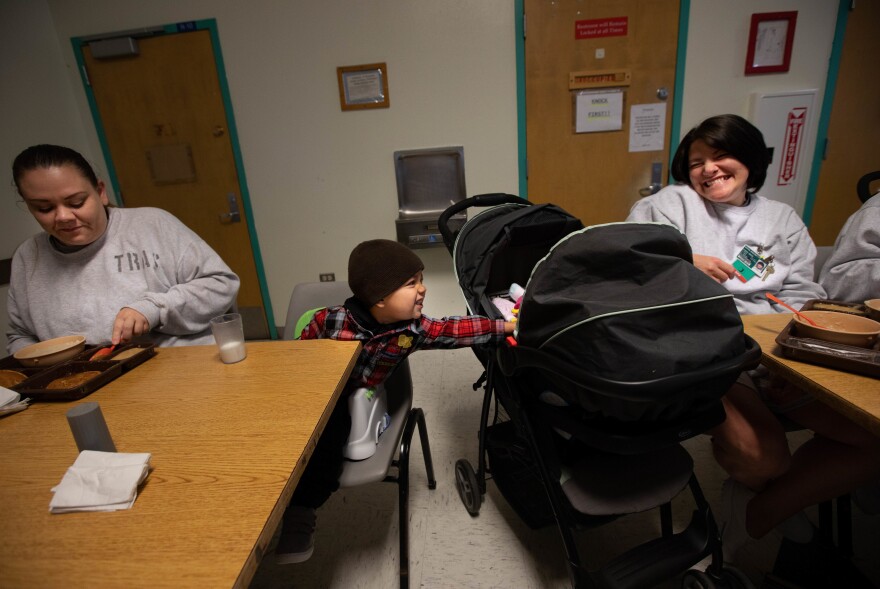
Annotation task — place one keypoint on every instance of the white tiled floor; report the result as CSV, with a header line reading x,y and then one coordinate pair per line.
x,y
357,539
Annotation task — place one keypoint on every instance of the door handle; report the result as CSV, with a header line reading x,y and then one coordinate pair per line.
x,y
233,216
649,189
655,185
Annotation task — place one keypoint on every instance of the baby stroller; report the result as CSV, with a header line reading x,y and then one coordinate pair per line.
x,y
623,351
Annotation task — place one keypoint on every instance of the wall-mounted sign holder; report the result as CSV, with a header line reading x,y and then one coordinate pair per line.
x,y
598,79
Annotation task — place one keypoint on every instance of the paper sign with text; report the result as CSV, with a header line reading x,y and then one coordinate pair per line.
x,y
616,26
598,111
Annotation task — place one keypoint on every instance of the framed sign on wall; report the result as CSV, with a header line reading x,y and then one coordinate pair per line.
x,y
771,37
363,86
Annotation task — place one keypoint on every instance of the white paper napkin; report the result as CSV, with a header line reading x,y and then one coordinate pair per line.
x,y
11,402
100,481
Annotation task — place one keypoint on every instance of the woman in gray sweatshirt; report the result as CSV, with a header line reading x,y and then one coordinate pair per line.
x,y
753,245
110,274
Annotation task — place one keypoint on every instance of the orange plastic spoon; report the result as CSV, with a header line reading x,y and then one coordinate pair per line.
x,y
102,352
792,309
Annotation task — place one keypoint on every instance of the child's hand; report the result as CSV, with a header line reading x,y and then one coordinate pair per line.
x,y
509,326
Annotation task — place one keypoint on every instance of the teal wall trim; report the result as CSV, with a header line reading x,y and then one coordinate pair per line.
x,y
78,43
684,15
827,103
211,24
184,27
522,155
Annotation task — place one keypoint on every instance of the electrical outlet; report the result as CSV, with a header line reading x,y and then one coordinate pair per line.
x,y
327,277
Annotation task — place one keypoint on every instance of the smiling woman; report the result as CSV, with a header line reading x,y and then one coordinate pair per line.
x,y
755,246
716,175
747,242
106,273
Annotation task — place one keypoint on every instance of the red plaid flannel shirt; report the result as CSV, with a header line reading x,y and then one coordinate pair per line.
x,y
385,346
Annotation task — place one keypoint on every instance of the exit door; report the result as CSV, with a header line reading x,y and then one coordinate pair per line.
x,y
622,52
170,143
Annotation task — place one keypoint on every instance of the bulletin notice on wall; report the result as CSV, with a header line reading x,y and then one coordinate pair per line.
x,y
598,110
647,127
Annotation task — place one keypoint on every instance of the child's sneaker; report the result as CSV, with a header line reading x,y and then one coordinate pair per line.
x,y
734,499
797,528
867,498
297,540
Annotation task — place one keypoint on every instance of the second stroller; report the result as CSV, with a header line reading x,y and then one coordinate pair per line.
x,y
623,350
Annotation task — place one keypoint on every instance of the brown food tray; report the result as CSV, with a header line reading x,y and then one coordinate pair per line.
x,y
34,386
849,358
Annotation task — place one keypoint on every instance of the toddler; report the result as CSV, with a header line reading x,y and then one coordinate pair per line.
x,y
385,315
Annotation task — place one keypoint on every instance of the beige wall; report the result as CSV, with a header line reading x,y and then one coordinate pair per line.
x,y
717,44
320,179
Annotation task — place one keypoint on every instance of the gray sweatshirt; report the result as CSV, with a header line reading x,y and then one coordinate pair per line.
x,y
721,230
146,260
852,272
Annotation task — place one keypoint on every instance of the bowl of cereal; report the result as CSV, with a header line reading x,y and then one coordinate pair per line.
x,y
51,351
872,306
841,328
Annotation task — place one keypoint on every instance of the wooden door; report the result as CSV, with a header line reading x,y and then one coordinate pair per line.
x,y
854,127
596,176
167,132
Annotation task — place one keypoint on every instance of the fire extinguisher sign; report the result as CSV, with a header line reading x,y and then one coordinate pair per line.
x,y
794,126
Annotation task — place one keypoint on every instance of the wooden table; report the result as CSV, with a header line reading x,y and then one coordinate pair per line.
x,y
229,443
853,395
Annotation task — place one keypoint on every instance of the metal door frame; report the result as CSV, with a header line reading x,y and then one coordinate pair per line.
x,y
827,102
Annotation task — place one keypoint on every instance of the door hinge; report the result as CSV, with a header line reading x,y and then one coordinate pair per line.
x,y
825,149
85,74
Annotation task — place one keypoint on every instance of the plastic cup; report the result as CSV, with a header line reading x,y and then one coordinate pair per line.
x,y
229,335
89,428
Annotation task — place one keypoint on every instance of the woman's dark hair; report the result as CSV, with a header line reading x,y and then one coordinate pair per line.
x,y
50,156
733,135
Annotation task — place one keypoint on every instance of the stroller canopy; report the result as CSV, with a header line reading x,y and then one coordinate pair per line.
x,y
500,246
625,303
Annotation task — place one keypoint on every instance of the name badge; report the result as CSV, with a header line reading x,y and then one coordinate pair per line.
x,y
749,264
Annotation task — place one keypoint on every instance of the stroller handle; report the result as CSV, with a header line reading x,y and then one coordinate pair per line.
x,y
479,200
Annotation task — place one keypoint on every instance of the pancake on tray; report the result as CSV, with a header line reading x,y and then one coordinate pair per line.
x,y
124,354
72,380
10,378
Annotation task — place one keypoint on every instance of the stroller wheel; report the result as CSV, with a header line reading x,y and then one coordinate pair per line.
x,y
468,487
694,579
733,578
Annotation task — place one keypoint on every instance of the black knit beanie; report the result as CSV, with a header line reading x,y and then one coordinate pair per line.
x,y
378,267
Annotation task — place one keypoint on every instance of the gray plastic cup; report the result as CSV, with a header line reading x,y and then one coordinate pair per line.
x,y
89,428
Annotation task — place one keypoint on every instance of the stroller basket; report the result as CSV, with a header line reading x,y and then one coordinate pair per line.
x,y
516,475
